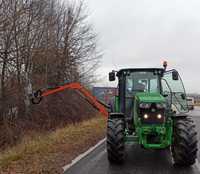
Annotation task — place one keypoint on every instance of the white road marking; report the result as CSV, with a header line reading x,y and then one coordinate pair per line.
x,y
197,165
81,156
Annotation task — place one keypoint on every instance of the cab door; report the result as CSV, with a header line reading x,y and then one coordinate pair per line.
x,y
174,91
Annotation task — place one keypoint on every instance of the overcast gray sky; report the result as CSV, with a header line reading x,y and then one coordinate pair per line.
x,y
142,33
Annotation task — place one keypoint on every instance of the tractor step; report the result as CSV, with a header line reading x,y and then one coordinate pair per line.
x,y
131,139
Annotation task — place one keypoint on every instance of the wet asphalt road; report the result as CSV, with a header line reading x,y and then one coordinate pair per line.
x,y
138,160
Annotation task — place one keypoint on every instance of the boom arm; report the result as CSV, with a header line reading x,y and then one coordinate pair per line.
x,y
38,95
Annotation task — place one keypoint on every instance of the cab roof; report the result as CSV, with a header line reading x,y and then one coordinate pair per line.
x,y
140,69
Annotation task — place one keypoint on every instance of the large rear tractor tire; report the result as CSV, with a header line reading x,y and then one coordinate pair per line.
x,y
184,146
115,140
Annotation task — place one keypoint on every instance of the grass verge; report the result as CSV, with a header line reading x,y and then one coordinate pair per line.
x,y
48,153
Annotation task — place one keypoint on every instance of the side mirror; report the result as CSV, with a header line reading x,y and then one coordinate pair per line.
x,y
175,75
112,76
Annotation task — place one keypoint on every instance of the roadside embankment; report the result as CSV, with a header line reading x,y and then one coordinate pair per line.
x,y
48,153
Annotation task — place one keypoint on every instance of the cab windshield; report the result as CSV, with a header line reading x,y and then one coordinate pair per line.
x,y
142,81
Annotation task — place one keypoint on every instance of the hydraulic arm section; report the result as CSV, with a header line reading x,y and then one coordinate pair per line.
x,y
101,107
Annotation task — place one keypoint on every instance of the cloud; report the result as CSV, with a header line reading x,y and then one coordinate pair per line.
x,y
141,33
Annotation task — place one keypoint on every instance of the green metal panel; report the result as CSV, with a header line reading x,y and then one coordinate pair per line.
x,y
162,131
150,97
117,103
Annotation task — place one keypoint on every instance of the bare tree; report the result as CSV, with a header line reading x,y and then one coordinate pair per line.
x,y
43,43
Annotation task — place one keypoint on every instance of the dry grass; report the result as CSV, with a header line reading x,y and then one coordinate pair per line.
x,y
48,153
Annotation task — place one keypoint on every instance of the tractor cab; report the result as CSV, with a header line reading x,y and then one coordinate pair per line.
x,y
135,81
166,86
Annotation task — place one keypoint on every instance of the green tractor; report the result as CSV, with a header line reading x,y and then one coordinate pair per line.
x,y
151,110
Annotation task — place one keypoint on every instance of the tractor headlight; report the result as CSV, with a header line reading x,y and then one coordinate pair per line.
x,y
146,116
161,105
145,105
159,116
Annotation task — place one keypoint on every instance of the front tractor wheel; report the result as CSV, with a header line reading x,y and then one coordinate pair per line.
x,y
115,140
184,146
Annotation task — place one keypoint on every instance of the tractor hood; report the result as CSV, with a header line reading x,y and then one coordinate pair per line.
x,y
146,97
